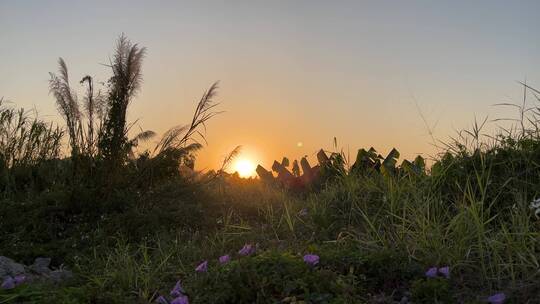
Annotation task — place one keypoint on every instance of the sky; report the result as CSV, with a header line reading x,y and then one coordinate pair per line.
x,y
293,74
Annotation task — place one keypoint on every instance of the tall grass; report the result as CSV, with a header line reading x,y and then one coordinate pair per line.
x,y
25,139
471,211
25,143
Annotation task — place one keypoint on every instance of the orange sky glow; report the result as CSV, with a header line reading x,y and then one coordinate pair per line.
x,y
293,74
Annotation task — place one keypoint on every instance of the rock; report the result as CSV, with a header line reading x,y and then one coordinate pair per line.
x,y
322,157
60,275
293,181
264,174
41,266
8,267
306,168
284,176
38,271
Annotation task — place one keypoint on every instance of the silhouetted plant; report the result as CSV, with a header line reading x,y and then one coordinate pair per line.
x,y
82,125
68,106
95,107
25,139
180,142
25,142
184,136
123,85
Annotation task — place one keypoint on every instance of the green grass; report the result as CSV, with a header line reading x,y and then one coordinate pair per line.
x,y
359,216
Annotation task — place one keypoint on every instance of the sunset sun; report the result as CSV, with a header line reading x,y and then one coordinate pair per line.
x,y
245,168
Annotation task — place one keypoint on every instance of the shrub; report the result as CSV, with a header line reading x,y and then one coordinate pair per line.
x,y
271,277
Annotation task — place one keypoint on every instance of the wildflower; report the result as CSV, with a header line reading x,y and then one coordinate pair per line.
x,y
8,283
177,290
432,272
497,298
224,259
19,279
445,271
311,259
180,300
162,300
203,267
248,249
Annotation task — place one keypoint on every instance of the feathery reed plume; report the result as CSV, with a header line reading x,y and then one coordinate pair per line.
x,y
179,136
227,160
143,136
95,108
66,101
123,85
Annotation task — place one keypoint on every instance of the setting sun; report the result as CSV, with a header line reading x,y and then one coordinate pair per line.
x,y
245,168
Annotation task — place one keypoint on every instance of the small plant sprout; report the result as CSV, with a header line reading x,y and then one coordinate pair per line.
x,y
311,259
248,249
497,298
224,259
203,267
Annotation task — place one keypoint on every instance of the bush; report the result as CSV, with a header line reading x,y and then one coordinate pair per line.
x,y
272,277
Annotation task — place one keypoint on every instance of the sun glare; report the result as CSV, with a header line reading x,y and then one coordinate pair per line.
x,y
245,168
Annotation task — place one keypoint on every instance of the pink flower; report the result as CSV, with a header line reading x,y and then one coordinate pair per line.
x,y
8,283
311,259
224,259
498,298
162,300
177,290
203,267
432,272
180,300
248,249
19,279
445,271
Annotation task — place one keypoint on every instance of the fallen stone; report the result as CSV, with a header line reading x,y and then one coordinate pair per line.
x,y
39,271
60,275
8,267
41,266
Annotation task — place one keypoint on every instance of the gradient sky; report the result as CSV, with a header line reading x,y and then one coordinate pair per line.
x,y
289,71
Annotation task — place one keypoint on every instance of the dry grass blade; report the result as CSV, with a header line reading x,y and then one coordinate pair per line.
x,y
179,136
227,160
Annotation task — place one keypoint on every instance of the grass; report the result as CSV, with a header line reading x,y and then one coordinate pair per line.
x,y
467,222
487,251
376,226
